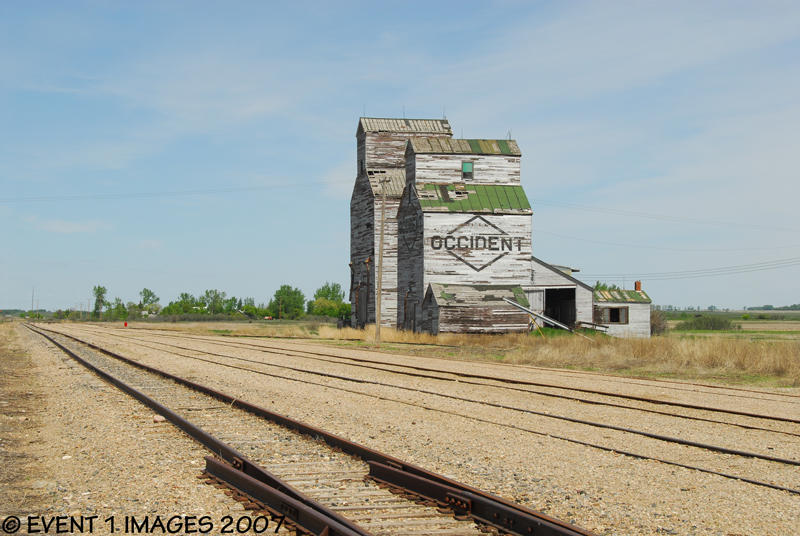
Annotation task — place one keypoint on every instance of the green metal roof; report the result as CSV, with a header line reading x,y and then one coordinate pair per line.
x,y
441,145
621,296
463,197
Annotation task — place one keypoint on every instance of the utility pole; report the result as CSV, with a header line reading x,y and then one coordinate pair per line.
x,y
32,289
379,267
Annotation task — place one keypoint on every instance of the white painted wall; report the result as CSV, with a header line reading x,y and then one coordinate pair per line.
x,y
638,320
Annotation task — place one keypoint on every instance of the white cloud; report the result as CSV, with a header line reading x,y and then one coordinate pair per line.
x,y
70,227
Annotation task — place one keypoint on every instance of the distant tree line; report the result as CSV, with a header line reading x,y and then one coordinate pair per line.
x,y
287,303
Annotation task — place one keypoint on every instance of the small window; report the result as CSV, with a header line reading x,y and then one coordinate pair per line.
x,y
611,315
466,170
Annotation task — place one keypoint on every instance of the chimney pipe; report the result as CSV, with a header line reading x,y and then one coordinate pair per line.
x,y
638,285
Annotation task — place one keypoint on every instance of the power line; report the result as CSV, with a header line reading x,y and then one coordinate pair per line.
x,y
663,248
706,272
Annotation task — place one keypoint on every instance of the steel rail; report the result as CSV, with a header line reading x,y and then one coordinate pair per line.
x,y
274,491
486,421
359,363
515,381
651,435
616,378
360,451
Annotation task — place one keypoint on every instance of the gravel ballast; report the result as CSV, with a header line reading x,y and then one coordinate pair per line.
x,y
601,491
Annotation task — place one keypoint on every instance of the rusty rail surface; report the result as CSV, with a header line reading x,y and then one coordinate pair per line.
x,y
494,510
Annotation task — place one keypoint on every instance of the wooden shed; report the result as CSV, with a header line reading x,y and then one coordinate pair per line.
x,y
554,292
625,312
381,144
464,219
472,309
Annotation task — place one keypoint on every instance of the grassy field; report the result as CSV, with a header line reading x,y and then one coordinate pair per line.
x,y
739,357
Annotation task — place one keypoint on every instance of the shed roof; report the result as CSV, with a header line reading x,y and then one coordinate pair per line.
x,y
395,181
418,126
434,145
561,273
621,296
467,197
476,295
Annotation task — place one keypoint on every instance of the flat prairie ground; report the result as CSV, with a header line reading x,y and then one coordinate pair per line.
x,y
749,356
72,444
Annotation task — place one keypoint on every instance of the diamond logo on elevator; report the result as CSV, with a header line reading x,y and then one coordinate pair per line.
x,y
477,242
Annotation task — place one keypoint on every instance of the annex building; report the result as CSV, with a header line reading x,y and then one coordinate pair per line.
x,y
456,236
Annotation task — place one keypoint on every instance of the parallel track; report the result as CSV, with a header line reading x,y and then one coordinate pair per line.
x,y
458,377
314,470
707,447
720,390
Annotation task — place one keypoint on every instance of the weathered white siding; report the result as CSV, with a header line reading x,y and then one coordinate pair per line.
x,y
638,320
380,147
487,169
389,283
501,255
583,304
430,252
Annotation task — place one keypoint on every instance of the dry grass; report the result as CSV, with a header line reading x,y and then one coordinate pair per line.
x,y
707,357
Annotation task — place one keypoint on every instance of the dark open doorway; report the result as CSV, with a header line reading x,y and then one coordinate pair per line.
x,y
559,304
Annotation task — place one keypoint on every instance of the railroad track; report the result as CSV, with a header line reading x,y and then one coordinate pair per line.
x,y
721,390
316,482
371,363
714,463
646,405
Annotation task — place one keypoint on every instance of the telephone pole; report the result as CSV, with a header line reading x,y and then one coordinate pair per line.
x,y
379,267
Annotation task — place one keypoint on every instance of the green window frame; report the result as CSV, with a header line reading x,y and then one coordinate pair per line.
x,y
467,170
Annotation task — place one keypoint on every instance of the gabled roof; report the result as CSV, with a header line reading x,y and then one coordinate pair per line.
x,y
621,296
434,145
468,197
477,295
414,126
561,273
395,181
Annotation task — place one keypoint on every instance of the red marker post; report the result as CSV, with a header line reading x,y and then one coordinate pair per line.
x,y
126,324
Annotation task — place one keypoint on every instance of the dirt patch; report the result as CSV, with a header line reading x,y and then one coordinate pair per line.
x,y
22,485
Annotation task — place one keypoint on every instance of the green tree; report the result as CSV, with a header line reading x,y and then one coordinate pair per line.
x,y
213,300
329,301
288,302
118,310
99,292
149,301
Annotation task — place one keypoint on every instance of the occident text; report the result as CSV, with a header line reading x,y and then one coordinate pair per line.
x,y
489,243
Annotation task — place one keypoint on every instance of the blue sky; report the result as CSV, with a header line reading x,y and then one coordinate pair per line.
x,y
657,138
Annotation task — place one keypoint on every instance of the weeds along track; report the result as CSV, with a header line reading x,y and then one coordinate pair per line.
x,y
770,460
747,420
312,467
